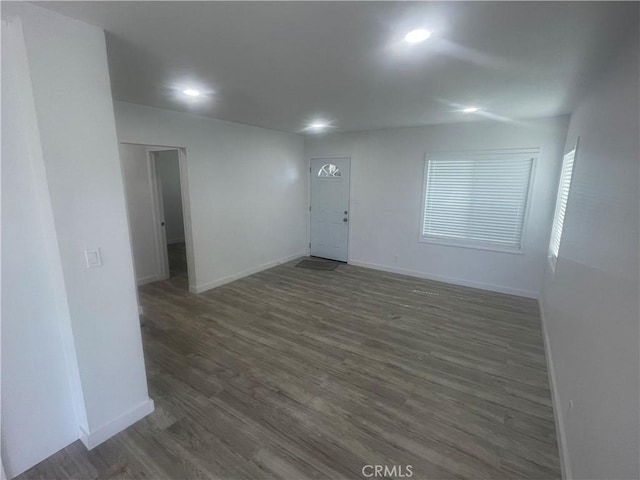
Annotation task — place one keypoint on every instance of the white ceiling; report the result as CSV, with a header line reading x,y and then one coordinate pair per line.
x,y
280,65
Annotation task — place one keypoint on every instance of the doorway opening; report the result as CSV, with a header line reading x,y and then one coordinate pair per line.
x,y
157,201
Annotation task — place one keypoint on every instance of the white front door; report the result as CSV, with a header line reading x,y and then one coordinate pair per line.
x,y
330,208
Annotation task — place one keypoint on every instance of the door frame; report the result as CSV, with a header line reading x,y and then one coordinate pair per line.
x,y
158,210
159,221
309,178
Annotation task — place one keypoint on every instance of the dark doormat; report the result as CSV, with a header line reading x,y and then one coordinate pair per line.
x,y
317,264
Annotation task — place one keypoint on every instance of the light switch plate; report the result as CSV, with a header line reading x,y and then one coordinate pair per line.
x,y
93,258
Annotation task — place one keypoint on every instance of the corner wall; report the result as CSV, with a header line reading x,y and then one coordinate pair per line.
x,y
247,189
41,400
590,305
387,168
75,127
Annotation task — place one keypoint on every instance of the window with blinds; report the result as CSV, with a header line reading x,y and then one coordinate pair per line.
x,y
561,204
477,199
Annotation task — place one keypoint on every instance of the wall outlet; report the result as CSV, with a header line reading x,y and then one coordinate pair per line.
x,y
395,259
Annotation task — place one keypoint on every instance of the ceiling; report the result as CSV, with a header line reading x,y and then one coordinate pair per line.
x,y
281,65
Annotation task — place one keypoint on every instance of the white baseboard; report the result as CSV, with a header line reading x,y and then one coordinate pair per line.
x,y
105,432
565,464
445,279
149,279
230,278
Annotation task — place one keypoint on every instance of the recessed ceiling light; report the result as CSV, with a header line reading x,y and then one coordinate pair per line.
x,y
191,92
318,125
417,36
470,109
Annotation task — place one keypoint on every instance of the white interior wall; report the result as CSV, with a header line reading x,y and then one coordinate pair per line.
x,y
168,171
40,395
590,302
247,187
387,168
71,91
140,210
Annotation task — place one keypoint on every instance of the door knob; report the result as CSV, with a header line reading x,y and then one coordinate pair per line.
x,y
344,219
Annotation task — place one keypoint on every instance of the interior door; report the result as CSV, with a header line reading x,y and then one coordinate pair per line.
x,y
330,208
159,217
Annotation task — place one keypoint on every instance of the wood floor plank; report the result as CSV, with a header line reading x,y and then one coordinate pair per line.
x,y
294,373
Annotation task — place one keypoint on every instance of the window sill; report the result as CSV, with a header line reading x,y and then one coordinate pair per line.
x,y
474,246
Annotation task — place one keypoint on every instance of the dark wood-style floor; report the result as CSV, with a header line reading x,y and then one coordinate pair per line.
x,y
294,373
177,253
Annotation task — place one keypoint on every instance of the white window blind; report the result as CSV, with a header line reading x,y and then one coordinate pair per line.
x,y
477,198
561,204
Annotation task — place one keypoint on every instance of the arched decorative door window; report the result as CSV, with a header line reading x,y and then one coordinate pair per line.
x,y
329,170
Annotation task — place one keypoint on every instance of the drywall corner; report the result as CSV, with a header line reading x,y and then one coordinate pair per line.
x,y
230,278
99,435
67,61
561,436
